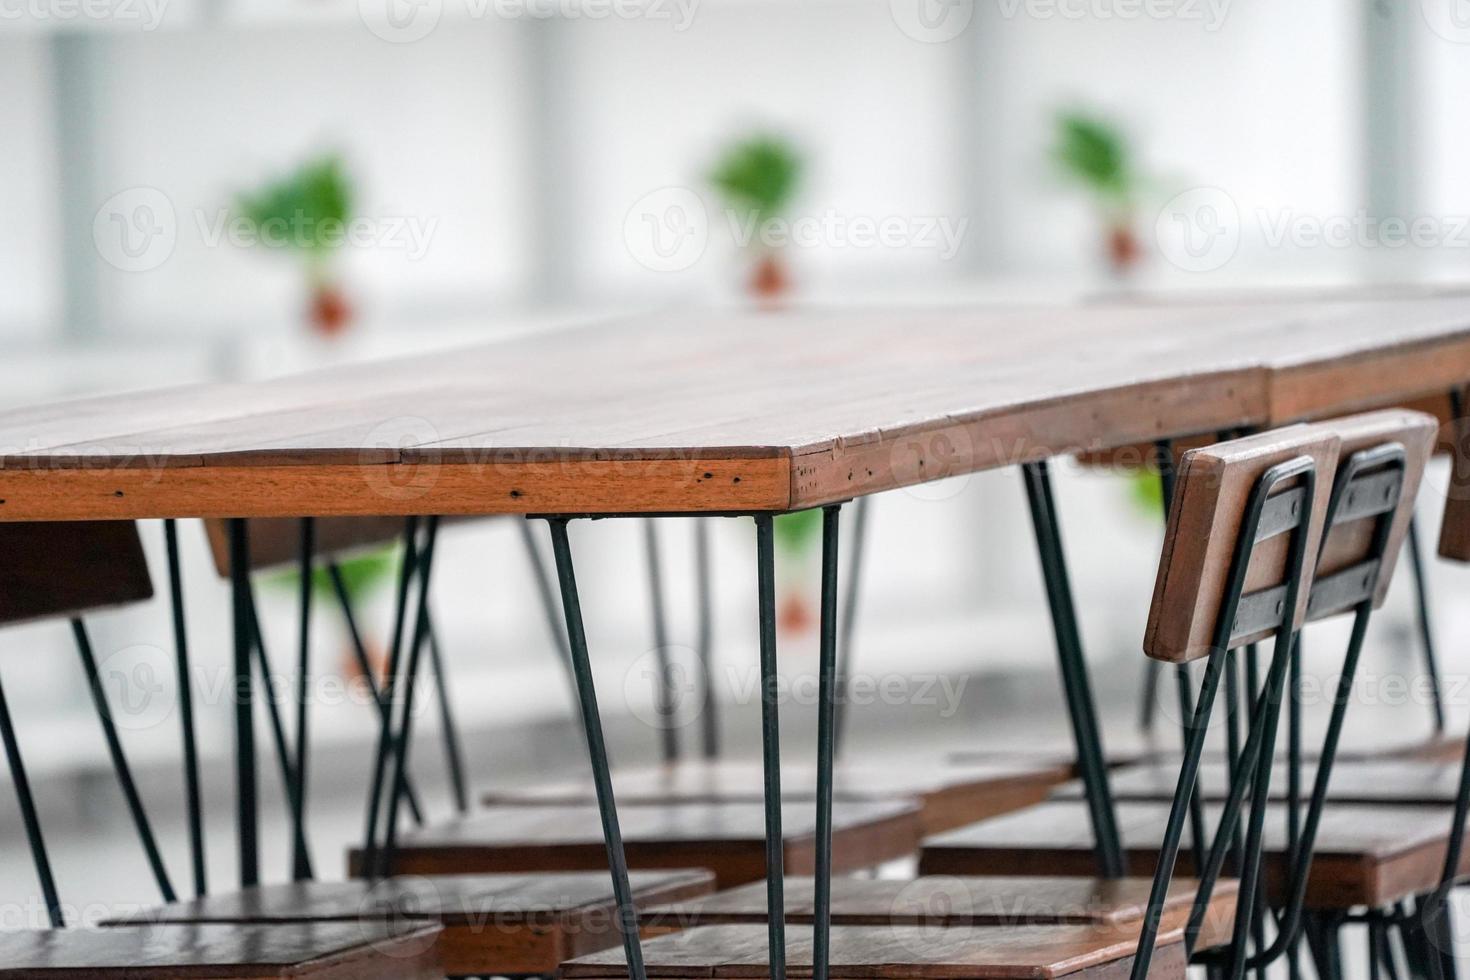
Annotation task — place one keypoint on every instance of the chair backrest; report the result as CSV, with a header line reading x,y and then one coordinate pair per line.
x,y
276,541
1257,486
1381,464
1454,532
67,568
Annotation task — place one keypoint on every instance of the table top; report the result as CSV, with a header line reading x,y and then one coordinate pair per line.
x,y
721,412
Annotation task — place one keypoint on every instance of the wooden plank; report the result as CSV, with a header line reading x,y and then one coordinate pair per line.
x,y
1210,499
949,795
69,568
492,924
728,839
899,953
1401,782
329,951
276,541
1366,855
805,408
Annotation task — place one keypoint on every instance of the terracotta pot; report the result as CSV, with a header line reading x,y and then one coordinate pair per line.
x,y
1124,250
794,613
330,313
770,283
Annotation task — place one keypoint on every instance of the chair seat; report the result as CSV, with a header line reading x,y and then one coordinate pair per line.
x,y
942,900
1403,782
492,924
1366,855
330,951
1004,953
949,795
728,839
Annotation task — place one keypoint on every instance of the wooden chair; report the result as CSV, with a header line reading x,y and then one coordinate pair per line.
x,y
948,796
69,569
1219,589
727,838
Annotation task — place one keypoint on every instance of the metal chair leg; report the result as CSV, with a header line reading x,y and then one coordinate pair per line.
x,y
282,745
771,745
32,822
193,796
545,593
359,649
597,749
246,811
1426,625
453,753
847,635
826,748
1080,708
300,861
664,687
119,761
705,641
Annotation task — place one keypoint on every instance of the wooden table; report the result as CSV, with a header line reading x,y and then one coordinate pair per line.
x,y
713,413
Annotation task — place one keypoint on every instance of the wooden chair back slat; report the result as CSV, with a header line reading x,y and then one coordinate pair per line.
x,y
68,568
276,541
1454,532
1351,539
1211,498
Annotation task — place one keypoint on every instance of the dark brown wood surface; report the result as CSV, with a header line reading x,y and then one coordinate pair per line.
x,y
1366,855
728,839
276,541
492,924
1397,782
949,795
67,568
328,951
1211,496
720,411
944,900
887,952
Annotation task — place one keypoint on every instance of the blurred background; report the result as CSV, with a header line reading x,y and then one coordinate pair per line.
x,y
476,169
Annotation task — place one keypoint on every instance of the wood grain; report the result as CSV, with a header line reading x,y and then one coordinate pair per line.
x,y
1210,500
889,952
803,408
68,568
492,924
332,951
1366,855
948,795
728,839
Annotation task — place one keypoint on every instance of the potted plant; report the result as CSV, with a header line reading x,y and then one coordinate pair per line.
x,y
757,178
1094,154
306,212
796,536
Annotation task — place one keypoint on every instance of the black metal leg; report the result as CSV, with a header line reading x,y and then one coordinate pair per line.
x,y
28,816
771,744
826,748
300,862
390,692
278,737
1147,706
848,633
359,649
246,815
405,729
119,761
453,753
597,749
1426,624
1085,731
547,596
705,641
193,796
1174,828
664,688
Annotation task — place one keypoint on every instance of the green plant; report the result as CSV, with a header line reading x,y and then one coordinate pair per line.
x,y
1094,153
361,575
306,210
758,175
795,533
